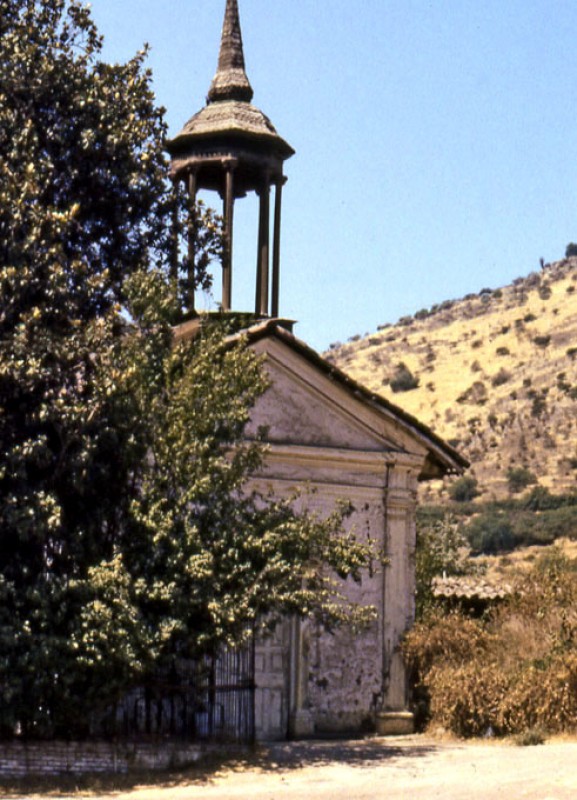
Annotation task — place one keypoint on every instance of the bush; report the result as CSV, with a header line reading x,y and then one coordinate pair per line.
x,y
514,671
403,380
490,533
553,524
519,478
476,394
530,738
540,499
545,292
542,341
464,489
571,250
538,406
502,377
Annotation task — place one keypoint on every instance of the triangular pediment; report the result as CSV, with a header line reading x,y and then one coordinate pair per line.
x,y
303,406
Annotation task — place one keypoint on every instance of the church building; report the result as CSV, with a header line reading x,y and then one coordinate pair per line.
x,y
324,431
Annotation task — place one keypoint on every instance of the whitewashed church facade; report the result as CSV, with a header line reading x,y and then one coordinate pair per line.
x,y
324,431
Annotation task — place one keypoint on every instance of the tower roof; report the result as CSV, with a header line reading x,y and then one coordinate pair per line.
x,y
229,125
231,81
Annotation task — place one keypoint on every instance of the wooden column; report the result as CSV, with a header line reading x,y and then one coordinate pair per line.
x,y
228,233
276,247
262,279
175,236
192,187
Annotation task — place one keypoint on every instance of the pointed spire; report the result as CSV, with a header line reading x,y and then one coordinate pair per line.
x,y
230,81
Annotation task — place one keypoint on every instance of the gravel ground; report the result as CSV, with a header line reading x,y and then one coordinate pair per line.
x,y
407,768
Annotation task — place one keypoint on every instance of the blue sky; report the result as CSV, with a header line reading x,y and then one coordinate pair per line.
x,y
436,142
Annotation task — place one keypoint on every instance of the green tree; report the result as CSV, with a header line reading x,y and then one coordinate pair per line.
x,y
442,549
83,209
214,556
99,541
82,192
491,532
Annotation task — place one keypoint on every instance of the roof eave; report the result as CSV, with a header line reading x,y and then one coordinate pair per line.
x,y
442,459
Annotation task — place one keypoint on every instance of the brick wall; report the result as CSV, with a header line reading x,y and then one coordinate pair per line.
x,y
21,759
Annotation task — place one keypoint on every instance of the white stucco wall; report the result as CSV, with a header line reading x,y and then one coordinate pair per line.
x,y
309,680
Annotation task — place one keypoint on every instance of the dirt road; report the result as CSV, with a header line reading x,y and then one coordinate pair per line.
x,y
411,768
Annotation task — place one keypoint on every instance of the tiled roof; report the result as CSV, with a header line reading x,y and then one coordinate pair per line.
x,y
470,588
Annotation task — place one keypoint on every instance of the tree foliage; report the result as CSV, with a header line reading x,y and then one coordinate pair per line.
x,y
126,535
81,195
215,556
442,549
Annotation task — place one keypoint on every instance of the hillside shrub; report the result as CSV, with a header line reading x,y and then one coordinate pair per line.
x,y
502,377
538,406
490,533
519,478
545,527
541,499
475,394
543,340
571,250
513,671
545,291
403,380
464,489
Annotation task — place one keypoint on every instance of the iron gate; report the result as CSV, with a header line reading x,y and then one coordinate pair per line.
x,y
211,699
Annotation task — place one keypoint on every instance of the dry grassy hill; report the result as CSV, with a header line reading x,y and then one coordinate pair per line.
x,y
494,373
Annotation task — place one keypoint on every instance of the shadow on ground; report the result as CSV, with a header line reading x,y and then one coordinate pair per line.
x,y
278,757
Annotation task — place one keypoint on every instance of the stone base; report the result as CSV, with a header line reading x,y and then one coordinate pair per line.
x,y
301,724
394,723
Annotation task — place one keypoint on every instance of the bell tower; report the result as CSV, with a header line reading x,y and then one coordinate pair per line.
x,y
232,148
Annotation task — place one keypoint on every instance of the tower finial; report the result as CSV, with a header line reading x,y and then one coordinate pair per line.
x,y
230,81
